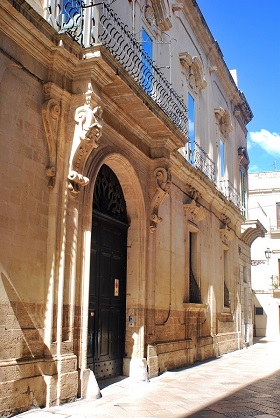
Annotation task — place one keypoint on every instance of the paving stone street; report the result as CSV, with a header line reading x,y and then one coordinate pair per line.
x,y
245,383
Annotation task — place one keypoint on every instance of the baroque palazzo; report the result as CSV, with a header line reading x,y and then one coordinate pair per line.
x,y
124,240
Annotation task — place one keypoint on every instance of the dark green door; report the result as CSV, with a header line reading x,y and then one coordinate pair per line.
x,y
107,294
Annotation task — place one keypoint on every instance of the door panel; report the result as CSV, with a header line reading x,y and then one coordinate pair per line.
x,y
107,298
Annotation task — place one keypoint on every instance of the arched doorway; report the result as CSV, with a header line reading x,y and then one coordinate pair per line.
x,y
107,289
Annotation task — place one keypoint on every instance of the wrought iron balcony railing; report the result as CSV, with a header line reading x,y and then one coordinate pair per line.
x,y
90,24
200,160
231,193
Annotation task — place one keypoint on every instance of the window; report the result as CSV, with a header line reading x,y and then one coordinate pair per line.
x,y
147,56
71,10
226,291
191,125
278,215
259,311
222,159
194,290
243,191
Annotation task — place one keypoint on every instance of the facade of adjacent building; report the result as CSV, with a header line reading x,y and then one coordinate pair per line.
x,y
125,248
264,204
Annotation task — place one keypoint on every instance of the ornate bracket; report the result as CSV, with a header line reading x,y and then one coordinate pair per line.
x,y
87,137
197,211
226,232
194,67
51,111
224,122
163,177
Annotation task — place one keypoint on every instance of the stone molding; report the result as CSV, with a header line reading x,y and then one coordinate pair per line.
x,y
163,178
89,123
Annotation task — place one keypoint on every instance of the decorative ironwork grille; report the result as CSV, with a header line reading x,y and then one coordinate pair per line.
x,y
109,30
203,162
195,295
108,195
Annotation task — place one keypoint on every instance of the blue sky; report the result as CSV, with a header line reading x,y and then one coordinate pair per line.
x,y
248,33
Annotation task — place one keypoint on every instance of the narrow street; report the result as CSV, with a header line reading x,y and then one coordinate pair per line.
x,y
240,384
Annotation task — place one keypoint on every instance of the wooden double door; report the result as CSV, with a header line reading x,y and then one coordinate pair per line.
x,y
107,296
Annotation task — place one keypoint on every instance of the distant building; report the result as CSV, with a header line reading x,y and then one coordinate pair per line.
x,y
124,244
264,204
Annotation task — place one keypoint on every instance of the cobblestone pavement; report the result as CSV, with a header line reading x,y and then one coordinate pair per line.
x,y
245,383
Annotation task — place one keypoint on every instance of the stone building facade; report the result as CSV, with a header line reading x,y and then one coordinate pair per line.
x,y
264,204
124,237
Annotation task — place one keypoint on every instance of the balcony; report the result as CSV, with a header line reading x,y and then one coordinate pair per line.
x,y
231,193
201,161
91,24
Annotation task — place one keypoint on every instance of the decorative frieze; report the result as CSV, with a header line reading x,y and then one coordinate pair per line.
x,y
163,178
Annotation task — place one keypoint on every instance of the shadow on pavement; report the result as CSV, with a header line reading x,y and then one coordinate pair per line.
x,y
260,399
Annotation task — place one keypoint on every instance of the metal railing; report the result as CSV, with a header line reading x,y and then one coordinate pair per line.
x,y
102,25
200,160
231,193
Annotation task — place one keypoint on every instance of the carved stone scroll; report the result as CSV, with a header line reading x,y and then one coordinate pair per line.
x,y
224,122
163,177
194,68
50,113
87,137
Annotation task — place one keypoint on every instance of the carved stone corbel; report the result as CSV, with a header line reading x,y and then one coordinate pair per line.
x,y
226,233
87,136
51,111
224,122
197,211
194,69
163,178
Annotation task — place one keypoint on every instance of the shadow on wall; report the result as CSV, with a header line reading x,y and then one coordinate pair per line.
x,y
29,368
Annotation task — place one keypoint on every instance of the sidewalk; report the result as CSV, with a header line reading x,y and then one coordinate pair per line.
x,y
245,383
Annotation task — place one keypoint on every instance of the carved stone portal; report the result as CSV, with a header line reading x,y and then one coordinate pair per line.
x,y
163,177
87,137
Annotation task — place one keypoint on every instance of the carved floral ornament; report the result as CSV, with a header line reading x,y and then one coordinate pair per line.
x,y
87,136
223,120
194,68
163,178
